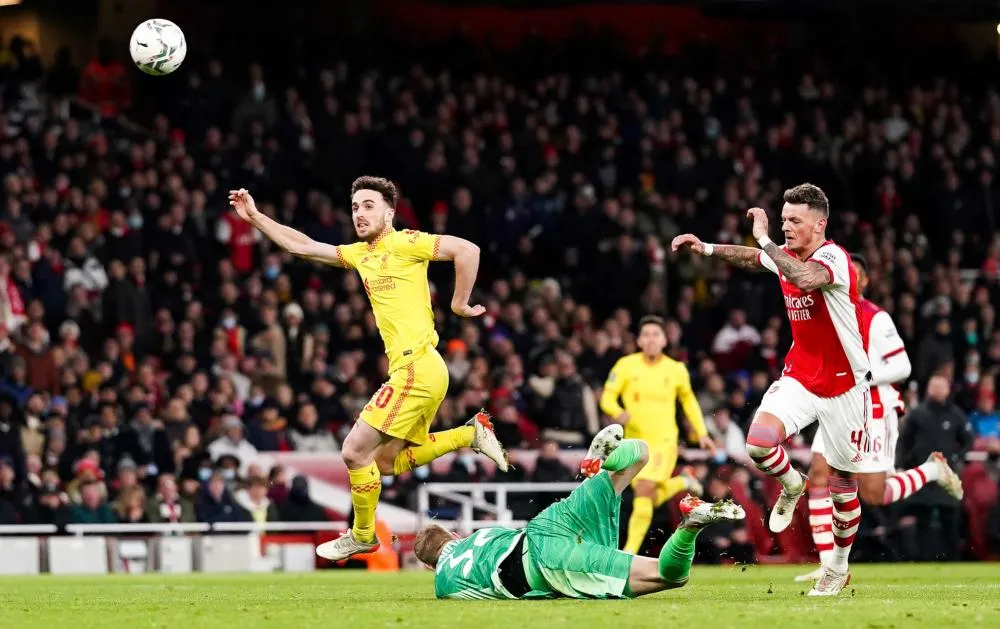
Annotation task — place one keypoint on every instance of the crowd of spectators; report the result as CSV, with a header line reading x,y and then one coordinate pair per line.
x,y
151,344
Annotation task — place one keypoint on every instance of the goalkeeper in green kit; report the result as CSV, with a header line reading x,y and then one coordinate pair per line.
x,y
571,548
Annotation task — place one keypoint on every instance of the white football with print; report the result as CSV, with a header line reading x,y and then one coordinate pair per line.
x,y
158,47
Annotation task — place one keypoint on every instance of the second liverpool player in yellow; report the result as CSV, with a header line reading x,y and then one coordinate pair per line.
x,y
641,393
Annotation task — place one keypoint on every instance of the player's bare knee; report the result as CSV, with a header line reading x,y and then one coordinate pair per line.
x,y
872,495
765,433
819,476
356,455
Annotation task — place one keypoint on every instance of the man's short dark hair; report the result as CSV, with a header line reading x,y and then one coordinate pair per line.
x,y
380,185
860,260
654,320
811,195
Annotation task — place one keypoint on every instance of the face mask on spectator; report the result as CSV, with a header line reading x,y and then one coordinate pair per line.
x,y
468,461
135,221
972,377
204,474
720,456
229,323
972,338
258,92
422,472
272,272
229,474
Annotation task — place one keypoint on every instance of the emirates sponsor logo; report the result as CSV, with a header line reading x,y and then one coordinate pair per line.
x,y
799,307
798,303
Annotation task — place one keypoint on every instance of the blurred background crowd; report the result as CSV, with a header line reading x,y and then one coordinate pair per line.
x,y
151,344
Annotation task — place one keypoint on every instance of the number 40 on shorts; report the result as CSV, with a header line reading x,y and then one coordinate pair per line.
x,y
864,442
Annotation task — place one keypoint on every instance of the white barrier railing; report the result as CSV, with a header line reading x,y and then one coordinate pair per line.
x,y
166,528
476,500
164,547
276,527
28,529
171,528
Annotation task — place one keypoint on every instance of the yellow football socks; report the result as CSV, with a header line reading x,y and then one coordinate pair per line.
x,y
669,489
437,444
366,486
638,524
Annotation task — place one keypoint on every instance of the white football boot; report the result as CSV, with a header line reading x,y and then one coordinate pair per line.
x,y
344,547
699,514
485,441
947,477
813,576
784,509
831,583
601,447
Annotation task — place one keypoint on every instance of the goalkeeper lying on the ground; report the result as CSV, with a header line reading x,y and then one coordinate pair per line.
x,y
571,548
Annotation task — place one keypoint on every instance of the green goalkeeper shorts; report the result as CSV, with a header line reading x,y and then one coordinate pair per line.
x,y
573,544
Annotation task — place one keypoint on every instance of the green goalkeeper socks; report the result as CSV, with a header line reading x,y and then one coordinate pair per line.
x,y
628,453
677,555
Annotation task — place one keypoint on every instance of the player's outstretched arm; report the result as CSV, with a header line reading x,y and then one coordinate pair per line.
x,y
465,255
807,276
746,258
290,240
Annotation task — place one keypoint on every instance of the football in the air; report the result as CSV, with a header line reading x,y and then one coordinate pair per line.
x,y
158,47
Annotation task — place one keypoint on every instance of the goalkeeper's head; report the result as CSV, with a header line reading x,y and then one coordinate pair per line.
x,y
430,543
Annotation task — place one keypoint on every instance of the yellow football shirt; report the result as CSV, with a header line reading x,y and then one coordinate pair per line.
x,y
393,271
649,392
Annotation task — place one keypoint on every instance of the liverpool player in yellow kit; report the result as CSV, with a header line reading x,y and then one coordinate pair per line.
x,y
650,384
391,435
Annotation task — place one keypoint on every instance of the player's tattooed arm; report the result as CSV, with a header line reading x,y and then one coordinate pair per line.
x,y
807,276
747,258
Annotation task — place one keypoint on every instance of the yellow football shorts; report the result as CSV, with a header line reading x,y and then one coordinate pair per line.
x,y
404,407
662,460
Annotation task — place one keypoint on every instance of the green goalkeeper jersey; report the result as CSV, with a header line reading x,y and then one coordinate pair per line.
x,y
467,568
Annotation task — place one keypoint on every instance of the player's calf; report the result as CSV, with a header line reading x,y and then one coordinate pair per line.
x,y
763,445
359,452
673,567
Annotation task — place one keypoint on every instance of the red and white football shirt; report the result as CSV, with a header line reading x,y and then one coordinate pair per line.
x,y
889,362
827,356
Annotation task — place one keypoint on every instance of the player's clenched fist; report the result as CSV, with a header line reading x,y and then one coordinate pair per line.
x,y
759,218
688,240
243,203
465,310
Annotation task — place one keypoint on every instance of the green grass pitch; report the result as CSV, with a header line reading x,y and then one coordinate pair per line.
x,y
757,597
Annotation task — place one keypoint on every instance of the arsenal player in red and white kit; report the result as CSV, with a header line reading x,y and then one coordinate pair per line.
x,y
890,365
826,376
